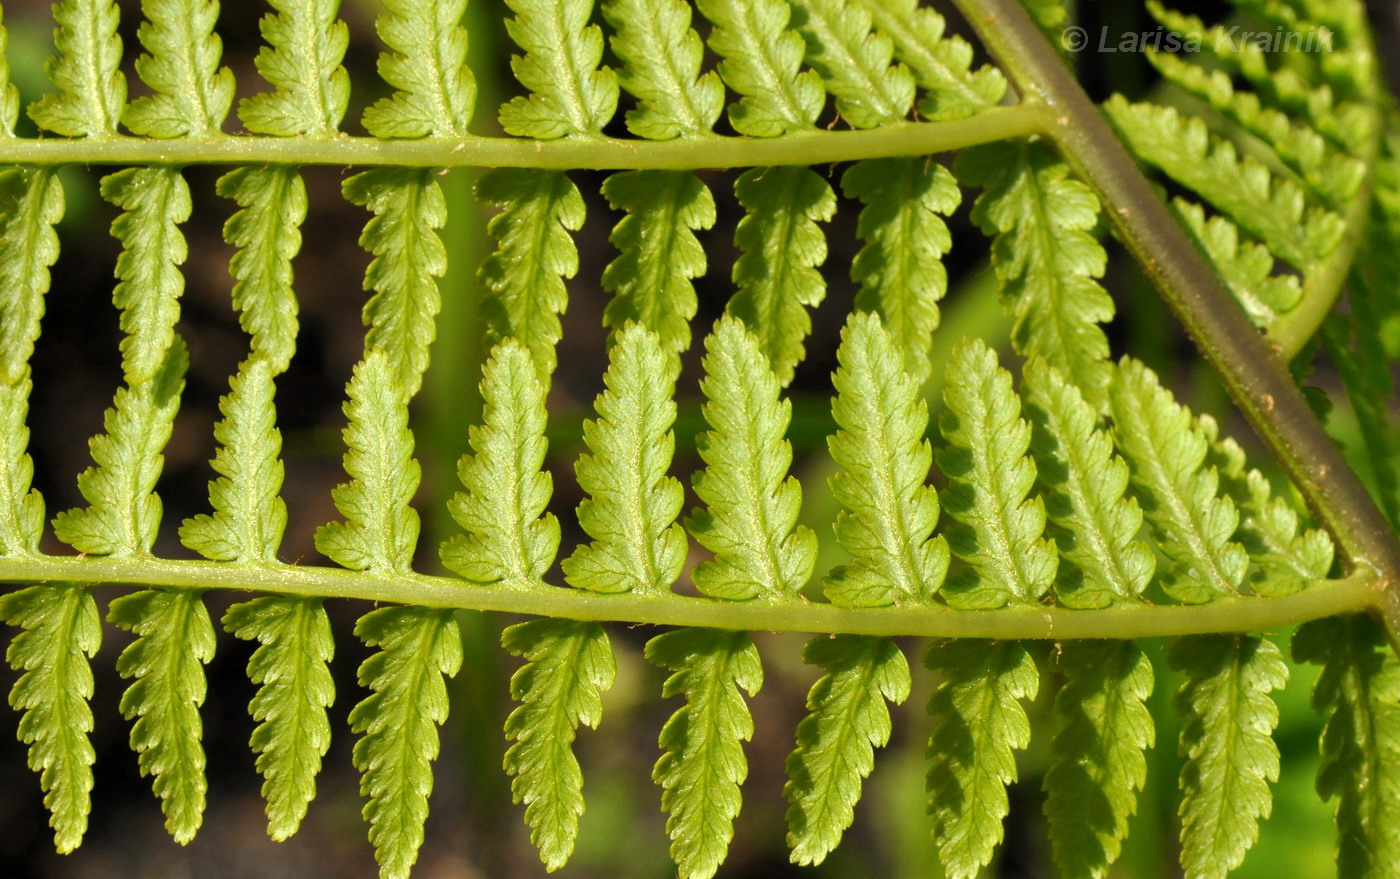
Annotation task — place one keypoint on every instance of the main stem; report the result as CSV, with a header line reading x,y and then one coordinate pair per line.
x,y
1256,378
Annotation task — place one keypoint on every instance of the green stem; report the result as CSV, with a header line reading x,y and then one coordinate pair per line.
x,y
1257,379
682,153
1121,621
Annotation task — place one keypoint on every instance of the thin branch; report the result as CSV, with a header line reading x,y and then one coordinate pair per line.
x,y
1243,614
682,153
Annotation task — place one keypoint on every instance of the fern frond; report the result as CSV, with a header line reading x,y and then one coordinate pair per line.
x,y
1325,169
295,689
1230,754
1085,489
1358,692
175,639
661,55
1356,347
900,267
511,538
568,665
941,65
192,93
534,254
427,65
888,511
659,255
61,631
21,506
703,761
408,208
9,94
301,61
569,92
1246,267
1102,729
854,62
398,724
998,525
1044,256
1284,559
978,725
1166,454
1271,207
267,232
751,503
631,508
782,246
86,70
155,201
31,205
760,59
381,528
124,511
847,719
249,515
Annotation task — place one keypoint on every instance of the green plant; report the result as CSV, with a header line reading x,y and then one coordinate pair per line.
x,y
1087,509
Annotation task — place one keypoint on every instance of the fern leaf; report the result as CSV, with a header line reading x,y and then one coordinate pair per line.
x,y
846,720
175,639
1085,487
294,690
631,508
1044,256
1284,559
301,61
658,253
510,538
124,511
782,246
661,57
1358,693
1272,208
900,267
31,204
398,721
703,761
427,65
267,233
941,65
1324,169
21,507
854,62
979,724
86,70
1098,768
155,202
751,503
61,631
191,92
1226,740
568,665
760,59
1246,267
9,94
888,511
1166,454
249,515
534,254
569,92
381,528
408,208
997,525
